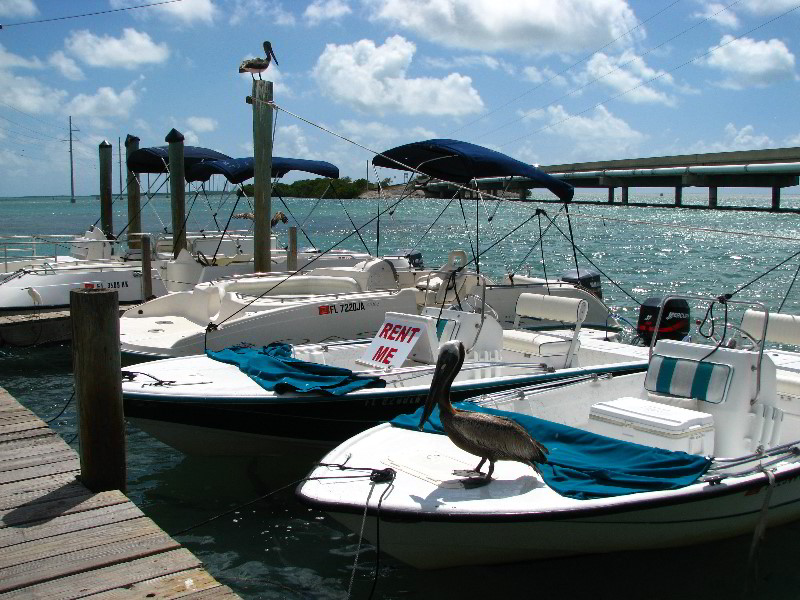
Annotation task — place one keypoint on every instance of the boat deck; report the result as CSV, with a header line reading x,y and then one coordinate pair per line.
x,y
60,540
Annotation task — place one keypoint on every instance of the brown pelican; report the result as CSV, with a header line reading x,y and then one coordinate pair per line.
x,y
258,65
279,216
491,437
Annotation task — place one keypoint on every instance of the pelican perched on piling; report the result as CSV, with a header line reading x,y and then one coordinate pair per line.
x,y
258,65
491,437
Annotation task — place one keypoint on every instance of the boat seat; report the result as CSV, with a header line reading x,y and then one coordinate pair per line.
x,y
723,383
781,328
549,308
788,382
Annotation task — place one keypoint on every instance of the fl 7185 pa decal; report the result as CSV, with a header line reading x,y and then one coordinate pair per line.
x,y
335,309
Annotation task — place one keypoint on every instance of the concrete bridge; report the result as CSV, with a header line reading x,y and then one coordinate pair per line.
x,y
773,168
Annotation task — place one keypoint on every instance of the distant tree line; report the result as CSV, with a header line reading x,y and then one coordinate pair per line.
x,y
343,187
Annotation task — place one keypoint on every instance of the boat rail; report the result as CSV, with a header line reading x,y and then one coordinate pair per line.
x,y
723,300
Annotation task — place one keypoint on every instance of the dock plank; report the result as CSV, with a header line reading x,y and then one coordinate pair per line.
x,y
105,579
59,540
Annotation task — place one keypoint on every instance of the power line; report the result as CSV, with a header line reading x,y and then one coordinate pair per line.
x,y
37,132
92,14
35,118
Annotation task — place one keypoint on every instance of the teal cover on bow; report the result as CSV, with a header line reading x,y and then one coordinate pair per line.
x,y
585,465
274,369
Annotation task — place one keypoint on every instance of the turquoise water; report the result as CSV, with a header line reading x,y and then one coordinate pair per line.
x,y
275,548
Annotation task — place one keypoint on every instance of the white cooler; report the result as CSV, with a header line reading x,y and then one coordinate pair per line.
x,y
654,424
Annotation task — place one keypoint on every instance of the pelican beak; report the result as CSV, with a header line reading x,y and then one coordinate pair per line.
x,y
451,357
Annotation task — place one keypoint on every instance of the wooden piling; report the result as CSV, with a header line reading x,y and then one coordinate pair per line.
x,y
96,364
291,255
106,218
134,195
177,190
262,182
147,269
712,196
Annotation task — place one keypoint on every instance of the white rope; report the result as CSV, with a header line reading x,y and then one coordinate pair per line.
x,y
360,539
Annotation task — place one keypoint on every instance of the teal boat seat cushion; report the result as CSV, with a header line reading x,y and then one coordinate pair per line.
x,y
686,378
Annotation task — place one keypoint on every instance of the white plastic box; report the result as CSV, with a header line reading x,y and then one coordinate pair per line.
x,y
654,424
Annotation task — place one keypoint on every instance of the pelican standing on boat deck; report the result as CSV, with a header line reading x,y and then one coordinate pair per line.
x,y
491,437
258,65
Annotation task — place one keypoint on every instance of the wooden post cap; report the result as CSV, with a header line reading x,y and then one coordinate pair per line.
x,y
105,144
174,136
130,139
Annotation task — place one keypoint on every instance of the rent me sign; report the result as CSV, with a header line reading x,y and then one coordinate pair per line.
x,y
393,343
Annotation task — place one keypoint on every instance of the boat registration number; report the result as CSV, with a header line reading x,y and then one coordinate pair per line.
x,y
344,307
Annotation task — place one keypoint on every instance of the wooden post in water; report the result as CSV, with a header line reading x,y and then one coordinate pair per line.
x,y
262,182
611,195
134,195
96,364
678,195
776,197
177,190
712,196
291,255
147,269
624,194
106,218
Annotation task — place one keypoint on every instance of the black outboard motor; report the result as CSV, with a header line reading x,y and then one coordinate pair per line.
x,y
674,323
586,278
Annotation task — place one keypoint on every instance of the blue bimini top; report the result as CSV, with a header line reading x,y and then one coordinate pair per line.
x,y
461,162
584,465
273,368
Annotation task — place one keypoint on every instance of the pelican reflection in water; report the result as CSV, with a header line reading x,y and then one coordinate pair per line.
x,y
491,437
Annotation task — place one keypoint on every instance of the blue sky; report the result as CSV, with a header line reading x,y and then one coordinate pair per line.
x,y
546,82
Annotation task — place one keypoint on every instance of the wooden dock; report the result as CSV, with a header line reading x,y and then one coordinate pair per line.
x,y
59,540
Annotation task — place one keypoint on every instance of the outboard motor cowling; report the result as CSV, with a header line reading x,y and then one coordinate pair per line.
x,y
674,323
586,278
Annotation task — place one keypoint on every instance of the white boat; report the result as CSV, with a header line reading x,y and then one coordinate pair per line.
x,y
703,446
212,405
326,305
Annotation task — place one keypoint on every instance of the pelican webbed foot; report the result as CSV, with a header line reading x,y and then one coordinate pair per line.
x,y
468,473
475,482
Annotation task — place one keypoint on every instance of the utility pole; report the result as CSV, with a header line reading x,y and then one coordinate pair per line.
x,y
71,167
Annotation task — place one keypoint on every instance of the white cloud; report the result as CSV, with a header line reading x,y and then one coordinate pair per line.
x,y
768,7
247,10
8,60
537,75
320,11
750,63
593,136
18,8
186,12
29,94
130,51
102,106
201,124
626,73
526,26
380,136
373,79
190,138
793,140
290,140
734,139
475,60
66,66
719,14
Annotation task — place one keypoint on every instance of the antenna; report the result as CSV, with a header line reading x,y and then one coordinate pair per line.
x,y
71,165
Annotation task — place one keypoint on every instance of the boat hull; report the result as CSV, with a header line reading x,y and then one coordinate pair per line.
x,y
262,425
707,513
